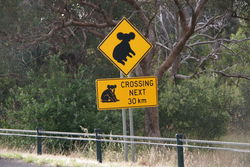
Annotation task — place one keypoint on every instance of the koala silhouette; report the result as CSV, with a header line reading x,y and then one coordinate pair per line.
x,y
108,95
123,49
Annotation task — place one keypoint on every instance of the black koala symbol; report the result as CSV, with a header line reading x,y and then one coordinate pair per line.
x,y
108,95
123,49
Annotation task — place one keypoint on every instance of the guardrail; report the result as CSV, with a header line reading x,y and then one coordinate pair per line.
x,y
180,142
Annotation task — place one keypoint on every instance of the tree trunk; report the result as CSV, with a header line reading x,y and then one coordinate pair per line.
x,y
175,66
151,122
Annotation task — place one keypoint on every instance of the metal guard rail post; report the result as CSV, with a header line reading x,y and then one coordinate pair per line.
x,y
180,154
98,146
39,142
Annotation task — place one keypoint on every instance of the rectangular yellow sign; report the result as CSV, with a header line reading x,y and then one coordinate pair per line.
x,y
120,93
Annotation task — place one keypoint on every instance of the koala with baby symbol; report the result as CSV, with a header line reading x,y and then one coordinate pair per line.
x,y
123,49
108,95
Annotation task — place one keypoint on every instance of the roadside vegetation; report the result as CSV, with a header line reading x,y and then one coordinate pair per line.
x,y
114,157
201,56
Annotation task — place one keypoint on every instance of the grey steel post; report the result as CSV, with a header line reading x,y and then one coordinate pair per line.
x,y
180,150
39,141
131,128
124,127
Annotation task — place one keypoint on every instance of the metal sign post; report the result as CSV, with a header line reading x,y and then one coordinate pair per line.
x,y
124,127
131,128
131,125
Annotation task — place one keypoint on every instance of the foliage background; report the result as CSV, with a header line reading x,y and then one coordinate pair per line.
x,y
51,83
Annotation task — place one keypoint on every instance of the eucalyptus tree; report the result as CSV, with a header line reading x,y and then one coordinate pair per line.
x,y
178,29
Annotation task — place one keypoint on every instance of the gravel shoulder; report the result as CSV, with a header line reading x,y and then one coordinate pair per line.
x,y
17,163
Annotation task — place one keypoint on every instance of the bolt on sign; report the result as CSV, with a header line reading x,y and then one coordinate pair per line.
x,y
125,46
119,93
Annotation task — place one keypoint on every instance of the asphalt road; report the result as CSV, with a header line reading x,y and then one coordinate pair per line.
x,y
16,163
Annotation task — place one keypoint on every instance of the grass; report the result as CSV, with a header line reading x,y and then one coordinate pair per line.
x,y
59,160
84,156
154,157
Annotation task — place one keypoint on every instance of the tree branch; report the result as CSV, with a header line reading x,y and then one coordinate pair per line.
x,y
233,75
100,10
67,24
13,75
181,76
135,5
182,42
96,33
182,16
219,40
240,17
163,46
211,20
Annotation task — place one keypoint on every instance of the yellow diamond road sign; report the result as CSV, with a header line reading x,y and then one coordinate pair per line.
x,y
126,93
125,46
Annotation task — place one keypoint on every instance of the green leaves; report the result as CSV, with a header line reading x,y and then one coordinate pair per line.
x,y
197,108
56,100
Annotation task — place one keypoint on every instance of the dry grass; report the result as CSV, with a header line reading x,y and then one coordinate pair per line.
x,y
60,160
151,157
84,155
216,159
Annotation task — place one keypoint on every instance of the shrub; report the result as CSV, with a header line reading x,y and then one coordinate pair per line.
x,y
197,108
